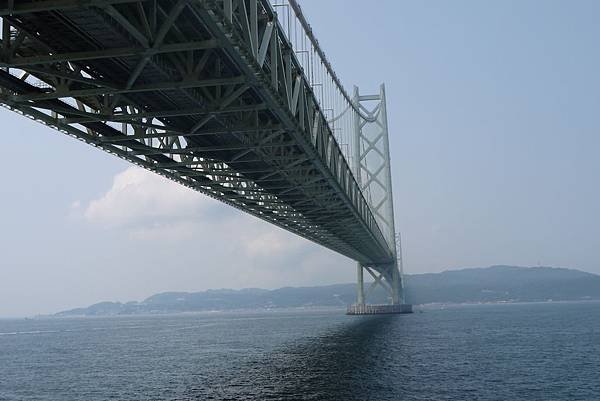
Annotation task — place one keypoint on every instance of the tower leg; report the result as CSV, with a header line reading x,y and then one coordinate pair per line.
x,y
360,285
396,286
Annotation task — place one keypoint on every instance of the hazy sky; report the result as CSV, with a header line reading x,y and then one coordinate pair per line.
x,y
494,116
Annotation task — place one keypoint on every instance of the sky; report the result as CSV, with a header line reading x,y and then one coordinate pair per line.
x,y
494,116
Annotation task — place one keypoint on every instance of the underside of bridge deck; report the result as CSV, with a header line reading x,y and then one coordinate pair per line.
x,y
205,93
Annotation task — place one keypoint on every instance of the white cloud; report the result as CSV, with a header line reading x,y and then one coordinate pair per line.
x,y
139,198
265,242
204,243
150,207
166,231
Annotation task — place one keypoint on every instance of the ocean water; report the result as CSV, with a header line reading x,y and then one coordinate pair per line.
x,y
486,352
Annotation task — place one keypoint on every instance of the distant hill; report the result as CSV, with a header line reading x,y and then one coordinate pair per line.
x,y
503,283
490,284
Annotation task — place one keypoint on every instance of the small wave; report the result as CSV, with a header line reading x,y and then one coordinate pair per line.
x,y
16,333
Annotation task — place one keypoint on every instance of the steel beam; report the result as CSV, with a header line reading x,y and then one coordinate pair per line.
x,y
160,86
219,79
8,7
107,54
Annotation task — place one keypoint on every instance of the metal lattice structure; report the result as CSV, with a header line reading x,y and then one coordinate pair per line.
x,y
374,175
217,95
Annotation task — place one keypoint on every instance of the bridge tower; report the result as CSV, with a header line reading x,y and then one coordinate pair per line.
x,y
372,168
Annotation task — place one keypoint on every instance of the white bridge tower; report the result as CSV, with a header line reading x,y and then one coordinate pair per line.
x,y
374,175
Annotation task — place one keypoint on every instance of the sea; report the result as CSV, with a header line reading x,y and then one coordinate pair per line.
x,y
543,351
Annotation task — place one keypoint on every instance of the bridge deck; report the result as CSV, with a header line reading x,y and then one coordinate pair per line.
x,y
206,93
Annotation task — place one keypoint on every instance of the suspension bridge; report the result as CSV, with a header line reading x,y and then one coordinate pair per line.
x,y
232,98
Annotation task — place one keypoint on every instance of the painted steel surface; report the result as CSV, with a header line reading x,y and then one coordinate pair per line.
x,y
210,94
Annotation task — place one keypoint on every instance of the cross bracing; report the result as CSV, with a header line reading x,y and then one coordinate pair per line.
x,y
210,94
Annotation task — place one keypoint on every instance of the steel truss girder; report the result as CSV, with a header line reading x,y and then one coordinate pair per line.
x,y
158,86
240,81
93,117
108,53
12,7
290,95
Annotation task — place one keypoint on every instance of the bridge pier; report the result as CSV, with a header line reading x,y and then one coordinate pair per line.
x,y
386,276
357,309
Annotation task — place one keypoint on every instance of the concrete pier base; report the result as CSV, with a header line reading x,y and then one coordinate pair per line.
x,y
364,309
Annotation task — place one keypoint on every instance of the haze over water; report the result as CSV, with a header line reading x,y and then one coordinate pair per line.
x,y
489,352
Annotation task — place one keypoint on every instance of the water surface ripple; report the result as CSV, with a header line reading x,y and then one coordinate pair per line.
x,y
488,352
